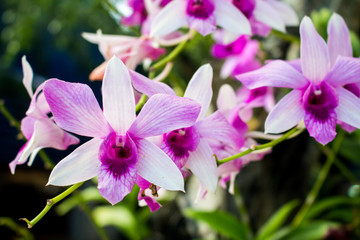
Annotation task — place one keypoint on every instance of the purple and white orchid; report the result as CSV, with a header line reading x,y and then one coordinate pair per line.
x,y
118,152
319,97
40,130
201,15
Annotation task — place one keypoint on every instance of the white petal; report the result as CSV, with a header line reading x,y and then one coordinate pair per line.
x,y
80,165
266,14
286,114
230,18
287,14
200,88
118,96
227,99
156,167
202,164
28,76
169,19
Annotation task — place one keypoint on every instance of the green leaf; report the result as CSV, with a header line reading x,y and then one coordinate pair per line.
x,y
355,43
221,222
330,203
308,231
276,220
350,149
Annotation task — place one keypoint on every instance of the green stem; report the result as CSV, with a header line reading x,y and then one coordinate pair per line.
x,y
88,212
171,56
47,161
50,203
260,147
311,197
286,37
111,7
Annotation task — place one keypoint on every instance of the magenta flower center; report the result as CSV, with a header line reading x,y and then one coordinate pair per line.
x,y
234,48
245,6
256,93
200,8
320,101
117,154
178,143
353,88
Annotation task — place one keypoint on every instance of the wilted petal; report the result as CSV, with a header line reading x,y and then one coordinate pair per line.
x,y
202,164
266,14
348,109
286,114
28,76
200,88
346,70
115,188
338,41
230,18
148,86
118,96
169,19
163,113
315,59
274,74
80,165
156,167
75,108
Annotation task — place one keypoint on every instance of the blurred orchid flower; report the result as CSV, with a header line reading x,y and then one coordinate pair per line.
x,y
118,151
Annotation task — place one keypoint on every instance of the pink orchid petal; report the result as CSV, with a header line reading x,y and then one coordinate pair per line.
x,y
147,86
165,21
75,108
27,126
15,162
216,127
287,14
346,70
203,26
202,164
156,167
200,88
348,109
286,114
230,18
80,165
266,14
164,113
38,107
315,59
28,76
118,96
323,131
274,74
338,41
115,188
227,99
150,201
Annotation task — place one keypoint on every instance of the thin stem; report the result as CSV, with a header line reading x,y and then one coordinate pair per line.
x,y
311,197
171,56
50,203
112,7
88,212
47,161
263,146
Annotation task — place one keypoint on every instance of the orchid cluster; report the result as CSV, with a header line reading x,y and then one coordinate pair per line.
x,y
146,135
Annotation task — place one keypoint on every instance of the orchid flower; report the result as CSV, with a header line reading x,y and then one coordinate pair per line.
x,y
37,127
118,151
201,15
190,147
131,50
318,97
240,55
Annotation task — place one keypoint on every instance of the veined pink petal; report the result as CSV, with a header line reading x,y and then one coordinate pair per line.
x,y
274,74
338,38
28,76
315,59
163,113
286,114
348,109
230,18
323,131
346,70
80,165
165,21
75,108
287,14
200,88
203,26
148,86
118,96
266,14
216,127
156,167
202,164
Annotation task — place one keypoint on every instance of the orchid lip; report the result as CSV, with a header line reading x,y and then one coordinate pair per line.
x,y
200,8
